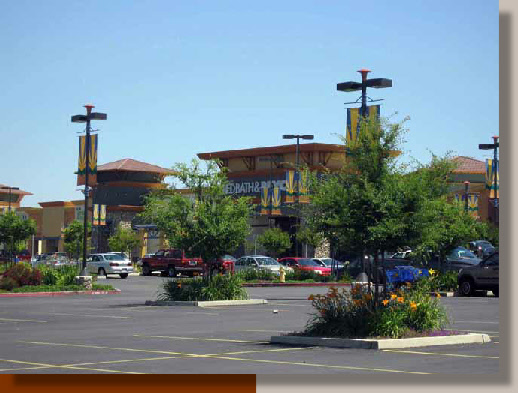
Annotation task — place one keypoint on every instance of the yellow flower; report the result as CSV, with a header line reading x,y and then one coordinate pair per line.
x,y
393,296
438,295
385,302
400,299
431,272
413,306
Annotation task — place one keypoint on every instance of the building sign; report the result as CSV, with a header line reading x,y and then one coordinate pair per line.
x,y
491,168
252,187
353,121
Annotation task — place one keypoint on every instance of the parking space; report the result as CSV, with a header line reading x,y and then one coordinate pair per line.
x,y
118,334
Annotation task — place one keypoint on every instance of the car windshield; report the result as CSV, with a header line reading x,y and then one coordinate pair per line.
x,y
267,261
113,257
463,253
307,262
229,258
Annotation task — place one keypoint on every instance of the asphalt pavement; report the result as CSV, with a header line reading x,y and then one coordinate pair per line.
x,y
119,334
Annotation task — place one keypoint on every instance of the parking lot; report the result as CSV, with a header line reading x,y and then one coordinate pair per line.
x,y
118,334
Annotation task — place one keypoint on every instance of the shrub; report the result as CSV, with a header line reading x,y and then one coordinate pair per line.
x,y
256,274
22,274
353,313
7,284
61,275
218,287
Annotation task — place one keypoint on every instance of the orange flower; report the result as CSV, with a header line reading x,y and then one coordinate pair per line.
x,y
438,295
393,296
400,299
357,302
311,297
385,302
368,297
413,306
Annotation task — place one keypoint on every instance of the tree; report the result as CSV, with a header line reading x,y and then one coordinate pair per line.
x,y
74,237
210,223
124,239
14,229
274,240
375,204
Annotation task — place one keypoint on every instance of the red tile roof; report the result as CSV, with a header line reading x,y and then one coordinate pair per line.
x,y
469,165
17,192
130,165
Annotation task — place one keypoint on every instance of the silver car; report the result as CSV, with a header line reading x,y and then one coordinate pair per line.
x,y
259,262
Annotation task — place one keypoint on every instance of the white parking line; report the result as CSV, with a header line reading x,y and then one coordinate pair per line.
x,y
202,339
21,320
490,322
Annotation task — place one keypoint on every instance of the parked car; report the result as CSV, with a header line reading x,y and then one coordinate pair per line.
x,y
305,264
171,262
482,248
336,266
224,265
104,264
355,267
24,256
258,262
458,258
54,259
483,276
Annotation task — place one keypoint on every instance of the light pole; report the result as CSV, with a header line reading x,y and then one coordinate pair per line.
x,y
298,138
9,210
377,83
86,119
493,146
466,187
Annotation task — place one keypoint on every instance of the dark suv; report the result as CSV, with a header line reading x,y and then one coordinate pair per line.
x,y
483,276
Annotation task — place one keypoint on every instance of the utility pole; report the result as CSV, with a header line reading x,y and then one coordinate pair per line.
x,y
86,119
466,187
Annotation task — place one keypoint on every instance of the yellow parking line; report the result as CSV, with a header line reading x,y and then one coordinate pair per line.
x,y
259,351
44,365
322,365
440,354
122,361
202,339
21,320
113,348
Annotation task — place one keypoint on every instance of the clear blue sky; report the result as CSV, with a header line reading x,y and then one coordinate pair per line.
x,y
177,78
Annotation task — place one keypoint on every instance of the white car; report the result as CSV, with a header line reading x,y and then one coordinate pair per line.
x,y
104,264
260,262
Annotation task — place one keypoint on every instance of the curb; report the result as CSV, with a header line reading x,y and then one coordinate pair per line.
x,y
444,294
213,303
62,293
296,284
372,343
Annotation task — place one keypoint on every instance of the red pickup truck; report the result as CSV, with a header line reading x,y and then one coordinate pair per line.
x,y
172,262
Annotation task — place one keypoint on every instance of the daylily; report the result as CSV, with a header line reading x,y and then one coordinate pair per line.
x,y
400,299
385,302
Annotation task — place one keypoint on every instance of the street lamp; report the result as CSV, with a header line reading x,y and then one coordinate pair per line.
x,y
298,138
466,187
377,83
493,146
9,210
86,119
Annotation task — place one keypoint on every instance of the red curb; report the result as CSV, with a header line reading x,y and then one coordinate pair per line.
x,y
62,293
294,284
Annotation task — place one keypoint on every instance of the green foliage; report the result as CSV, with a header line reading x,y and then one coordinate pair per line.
x,y
14,230
124,239
447,281
210,225
256,275
74,237
61,276
220,287
60,288
307,236
274,240
343,313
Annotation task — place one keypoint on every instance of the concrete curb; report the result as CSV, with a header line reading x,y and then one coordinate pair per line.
x,y
372,343
296,284
213,303
62,293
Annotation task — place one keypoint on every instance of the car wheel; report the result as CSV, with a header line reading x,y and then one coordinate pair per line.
x,y
496,291
466,287
146,271
124,275
102,272
171,271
